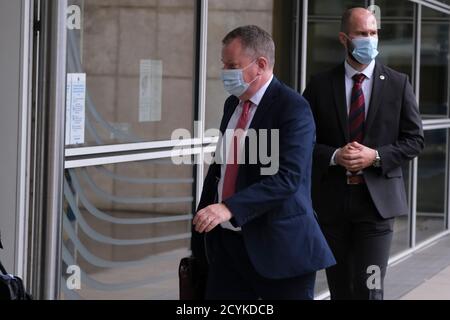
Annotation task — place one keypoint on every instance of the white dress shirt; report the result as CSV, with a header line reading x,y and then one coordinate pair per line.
x,y
255,100
366,88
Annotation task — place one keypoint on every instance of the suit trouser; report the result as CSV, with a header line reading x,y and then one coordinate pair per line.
x,y
232,276
360,240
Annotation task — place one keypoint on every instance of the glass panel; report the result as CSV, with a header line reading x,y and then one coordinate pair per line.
x,y
333,7
431,12
431,185
224,16
396,34
434,84
127,226
324,23
135,54
400,241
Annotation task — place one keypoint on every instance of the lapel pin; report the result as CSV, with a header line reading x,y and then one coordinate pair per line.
x,y
382,77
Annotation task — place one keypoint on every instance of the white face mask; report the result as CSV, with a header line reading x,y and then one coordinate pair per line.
x,y
233,81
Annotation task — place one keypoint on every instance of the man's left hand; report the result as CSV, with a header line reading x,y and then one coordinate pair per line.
x,y
210,217
362,159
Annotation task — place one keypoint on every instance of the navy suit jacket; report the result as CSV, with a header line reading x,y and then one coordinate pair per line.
x,y
279,227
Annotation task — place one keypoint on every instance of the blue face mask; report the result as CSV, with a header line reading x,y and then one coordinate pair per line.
x,y
364,49
233,81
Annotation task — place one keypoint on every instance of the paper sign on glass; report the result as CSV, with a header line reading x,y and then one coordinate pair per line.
x,y
150,90
75,108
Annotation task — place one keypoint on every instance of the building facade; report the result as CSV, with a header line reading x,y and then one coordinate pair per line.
x,y
98,193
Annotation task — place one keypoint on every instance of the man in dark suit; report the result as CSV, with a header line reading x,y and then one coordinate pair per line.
x,y
262,238
368,125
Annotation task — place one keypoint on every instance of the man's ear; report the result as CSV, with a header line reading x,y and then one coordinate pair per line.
x,y
263,63
343,39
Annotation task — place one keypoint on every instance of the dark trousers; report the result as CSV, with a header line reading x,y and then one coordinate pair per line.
x,y
360,240
231,275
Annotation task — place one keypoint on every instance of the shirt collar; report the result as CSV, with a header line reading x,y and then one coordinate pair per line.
x,y
257,97
368,71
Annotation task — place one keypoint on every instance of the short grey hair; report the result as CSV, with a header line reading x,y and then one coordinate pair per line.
x,y
255,40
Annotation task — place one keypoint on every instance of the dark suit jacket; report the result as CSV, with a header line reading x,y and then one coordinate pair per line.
x,y
393,127
279,228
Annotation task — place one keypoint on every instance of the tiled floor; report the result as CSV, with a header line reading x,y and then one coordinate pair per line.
x,y
436,288
423,275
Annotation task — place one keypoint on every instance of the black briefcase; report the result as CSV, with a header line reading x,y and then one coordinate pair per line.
x,y
11,287
192,276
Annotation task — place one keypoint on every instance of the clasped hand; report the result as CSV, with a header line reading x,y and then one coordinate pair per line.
x,y
355,157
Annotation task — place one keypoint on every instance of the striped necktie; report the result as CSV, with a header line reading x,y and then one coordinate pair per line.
x,y
357,110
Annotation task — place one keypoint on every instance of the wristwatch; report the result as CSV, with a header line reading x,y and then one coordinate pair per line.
x,y
377,162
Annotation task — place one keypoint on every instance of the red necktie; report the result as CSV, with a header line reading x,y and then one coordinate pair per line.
x,y
357,110
231,172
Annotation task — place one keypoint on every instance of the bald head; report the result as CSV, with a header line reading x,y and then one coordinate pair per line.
x,y
357,18
358,23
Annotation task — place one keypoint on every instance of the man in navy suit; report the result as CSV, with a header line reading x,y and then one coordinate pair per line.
x,y
257,232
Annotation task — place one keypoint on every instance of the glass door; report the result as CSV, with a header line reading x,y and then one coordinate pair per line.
x,y
127,206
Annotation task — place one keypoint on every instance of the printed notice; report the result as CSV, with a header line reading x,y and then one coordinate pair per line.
x,y
150,90
75,108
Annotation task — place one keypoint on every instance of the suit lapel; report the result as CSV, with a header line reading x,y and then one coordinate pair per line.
x,y
379,80
230,106
265,103
229,110
340,99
